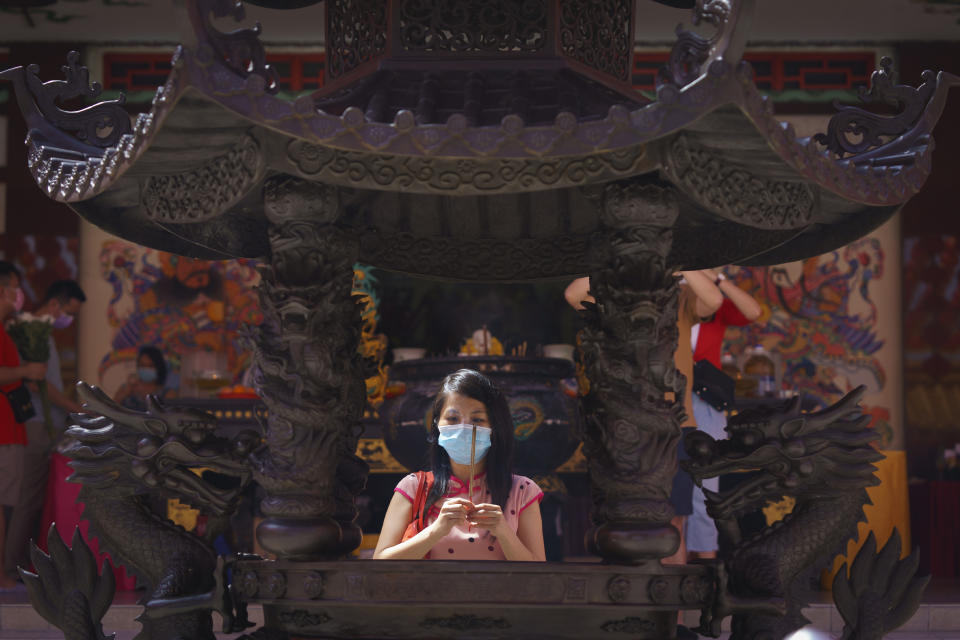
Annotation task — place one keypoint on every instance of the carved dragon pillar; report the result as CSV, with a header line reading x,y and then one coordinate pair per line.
x,y
632,428
310,376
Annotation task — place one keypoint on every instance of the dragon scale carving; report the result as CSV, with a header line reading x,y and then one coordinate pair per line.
x,y
737,194
118,455
628,343
314,388
825,461
205,192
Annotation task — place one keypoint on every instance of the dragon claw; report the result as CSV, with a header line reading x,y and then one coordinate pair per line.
x,y
882,591
66,590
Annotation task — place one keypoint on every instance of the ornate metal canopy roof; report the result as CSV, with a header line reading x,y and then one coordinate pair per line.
x,y
485,133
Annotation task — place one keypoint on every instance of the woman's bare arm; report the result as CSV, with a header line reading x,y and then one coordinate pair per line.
x,y
578,292
527,543
709,297
523,545
400,514
745,302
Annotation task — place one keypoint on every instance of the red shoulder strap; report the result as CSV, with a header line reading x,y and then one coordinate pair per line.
x,y
424,484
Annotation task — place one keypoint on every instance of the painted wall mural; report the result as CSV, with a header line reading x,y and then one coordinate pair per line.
x,y
187,306
178,304
931,273
820,319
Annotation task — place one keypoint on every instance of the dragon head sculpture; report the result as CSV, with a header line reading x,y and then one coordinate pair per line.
x,y
823,454
119,452
824,460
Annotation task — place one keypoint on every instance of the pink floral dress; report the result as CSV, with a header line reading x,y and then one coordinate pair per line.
x,y
471,543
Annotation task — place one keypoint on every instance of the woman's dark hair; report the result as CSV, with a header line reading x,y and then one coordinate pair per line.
x,y
64,291
156,357
473,384
7,270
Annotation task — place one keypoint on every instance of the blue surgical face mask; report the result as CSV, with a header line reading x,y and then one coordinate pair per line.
x,y
147,374
457,438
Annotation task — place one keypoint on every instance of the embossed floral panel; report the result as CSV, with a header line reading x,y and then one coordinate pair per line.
x,y
478,25
356,33
598,34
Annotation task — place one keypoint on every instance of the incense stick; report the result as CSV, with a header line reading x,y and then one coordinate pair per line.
x,y
473,452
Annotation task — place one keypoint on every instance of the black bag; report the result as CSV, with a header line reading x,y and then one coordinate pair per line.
x,y
713,386
21,404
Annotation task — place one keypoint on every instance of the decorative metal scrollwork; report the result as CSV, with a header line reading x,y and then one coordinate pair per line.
x,y
313,585
479,257
599,34
205,192
855,130
737,194
300,618
478,25
99,125
632,625
658,589
356,33
276,585
618,588
464,176
695,589
692,50
240,50
468,622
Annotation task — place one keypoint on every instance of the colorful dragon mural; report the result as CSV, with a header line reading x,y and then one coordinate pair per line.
x,y
821,318
184,305
178,304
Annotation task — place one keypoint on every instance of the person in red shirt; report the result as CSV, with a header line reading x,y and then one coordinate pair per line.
x,y
13,437
62,302
737,309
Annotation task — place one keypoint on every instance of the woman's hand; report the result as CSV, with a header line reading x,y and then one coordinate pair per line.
x,y
490,517
453,513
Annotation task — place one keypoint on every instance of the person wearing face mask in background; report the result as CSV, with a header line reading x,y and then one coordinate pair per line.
x,y
13,435
62,302
150,378
501,519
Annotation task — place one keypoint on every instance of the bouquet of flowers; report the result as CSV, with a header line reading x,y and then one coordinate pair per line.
x,y
31,334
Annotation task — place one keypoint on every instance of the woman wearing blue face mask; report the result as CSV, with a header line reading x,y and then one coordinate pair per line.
x,y
501,519
149,379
